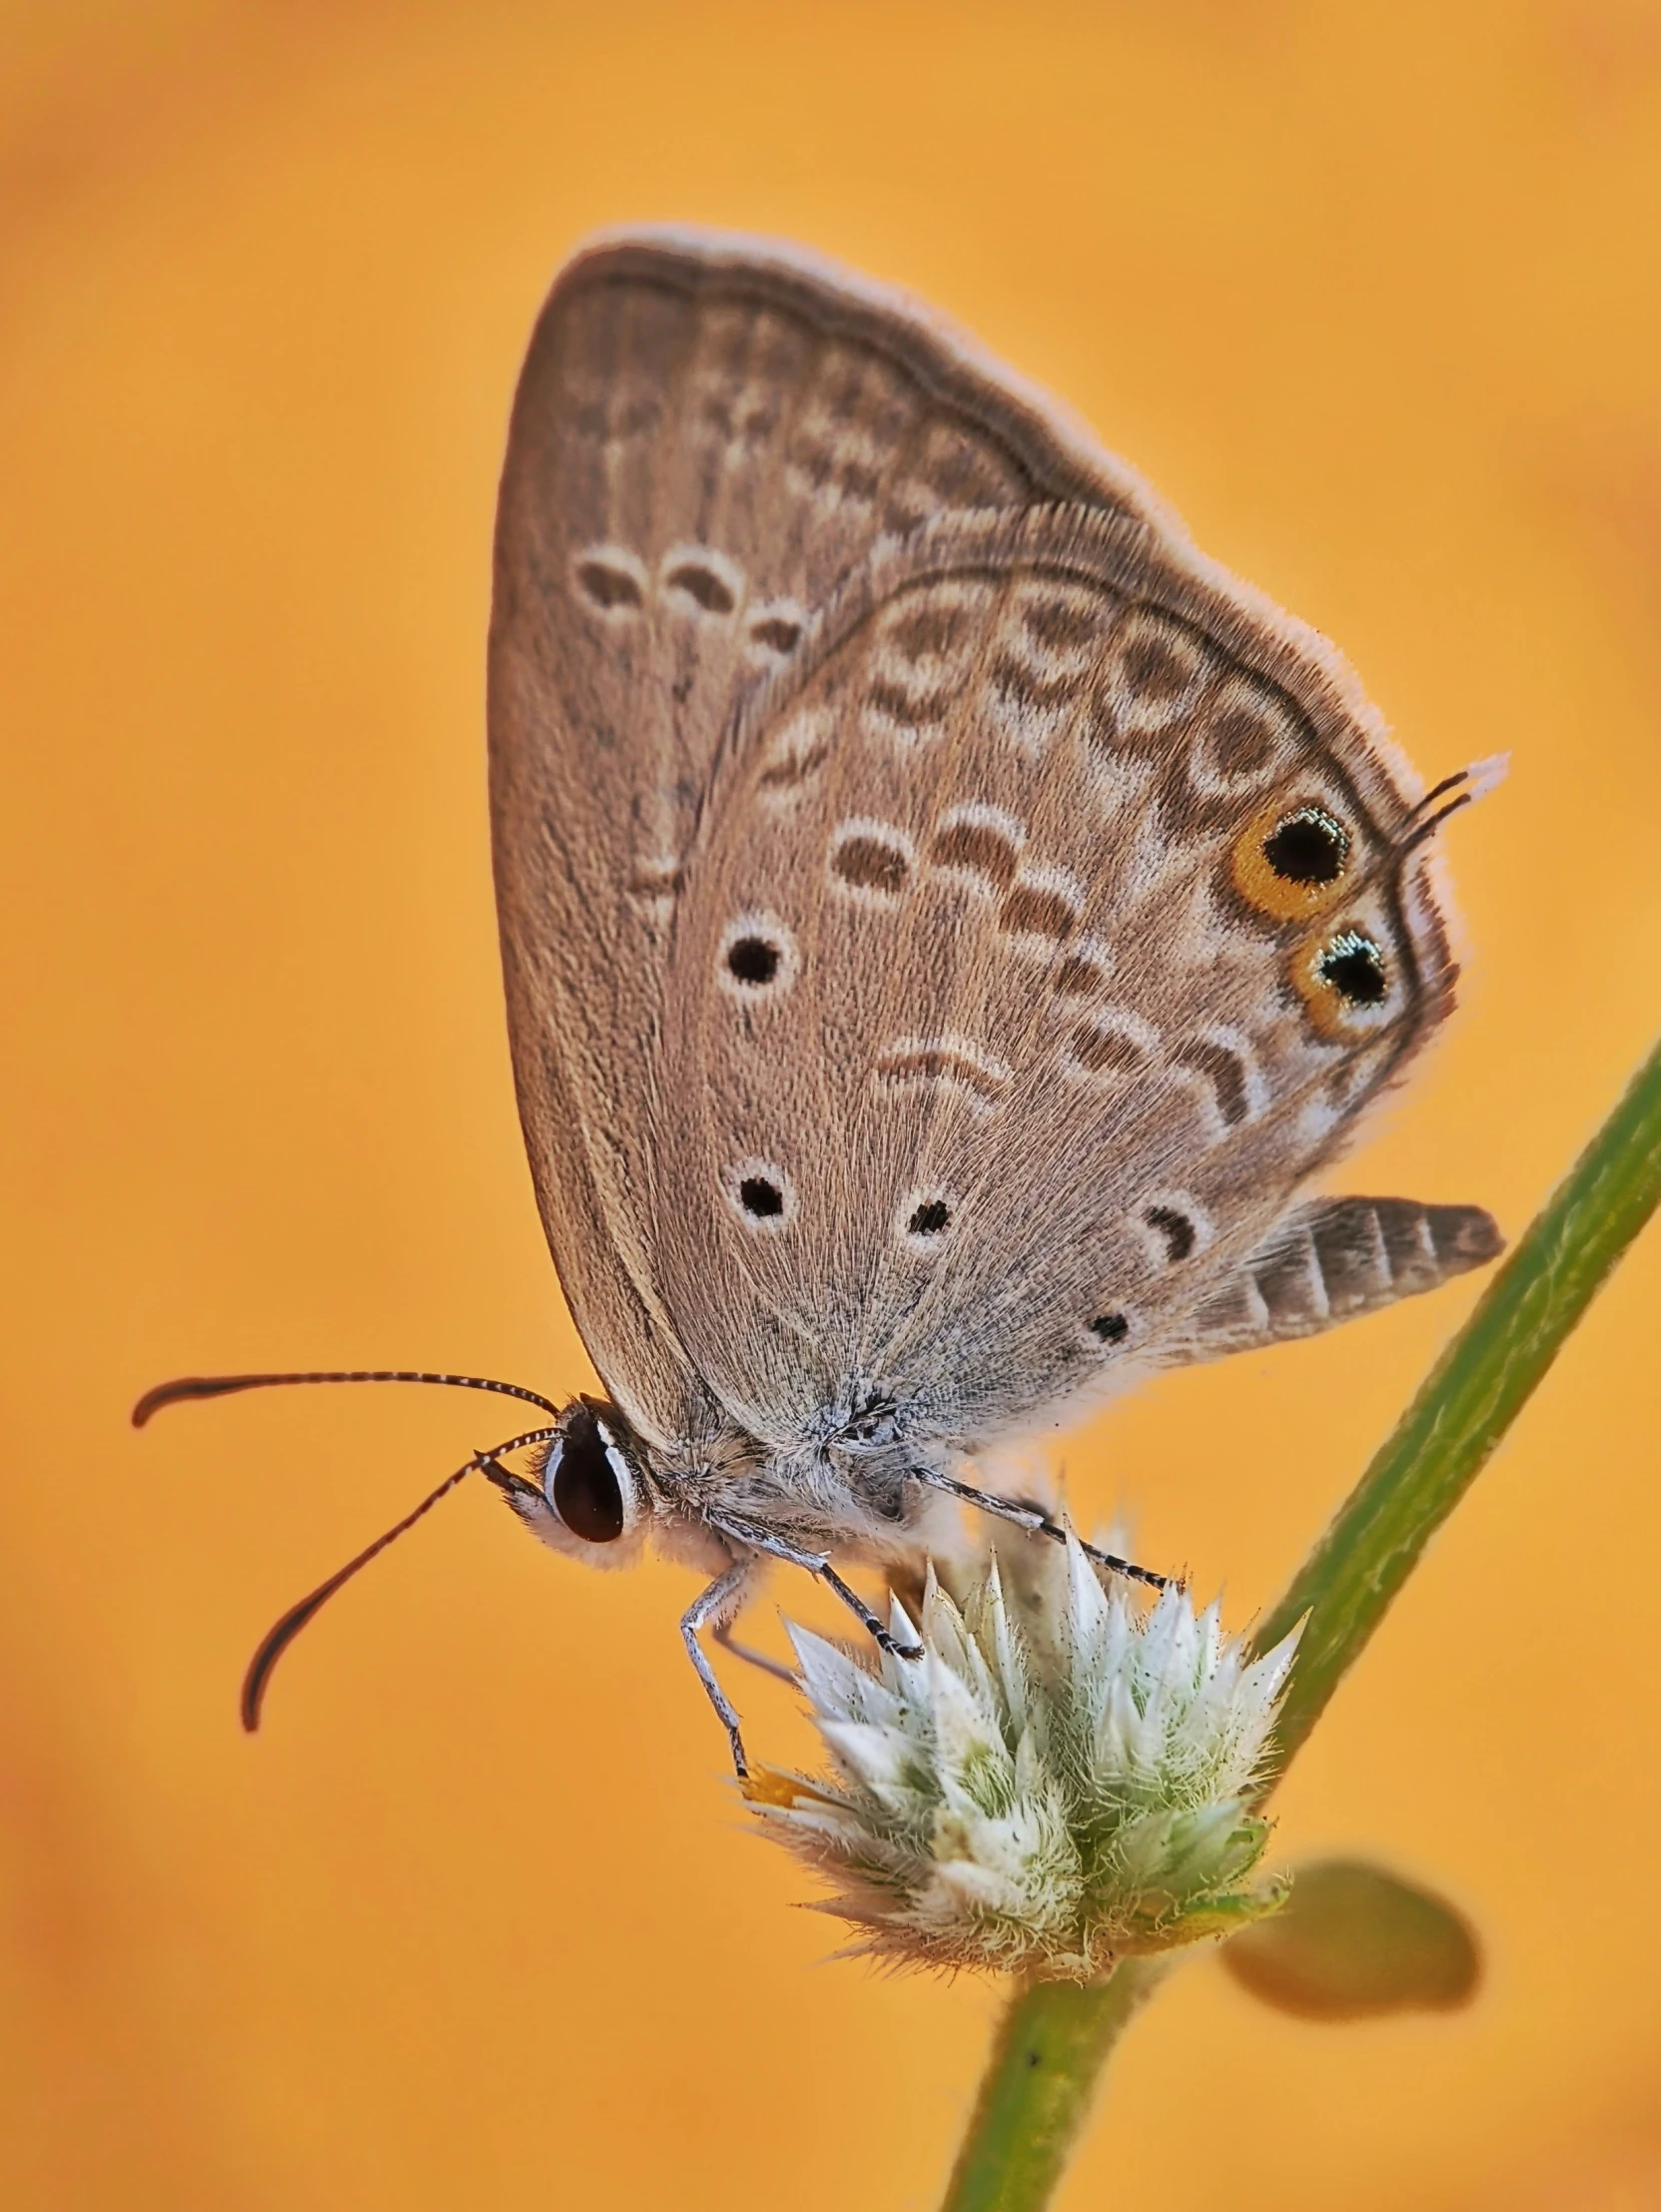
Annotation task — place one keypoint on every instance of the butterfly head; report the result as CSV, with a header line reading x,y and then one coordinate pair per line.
x,y
591,1498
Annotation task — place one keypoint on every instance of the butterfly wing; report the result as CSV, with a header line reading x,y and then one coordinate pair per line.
x,y
709,435
999,1039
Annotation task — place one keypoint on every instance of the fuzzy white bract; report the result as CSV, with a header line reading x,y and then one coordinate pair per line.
x,y
1061,1780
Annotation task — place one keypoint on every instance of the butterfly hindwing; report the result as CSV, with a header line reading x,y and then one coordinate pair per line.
x,y
996,1049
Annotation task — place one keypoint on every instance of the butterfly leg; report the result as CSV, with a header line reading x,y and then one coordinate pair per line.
x,y
816,1564
717,1603
858,1607
1036,1521
723,1633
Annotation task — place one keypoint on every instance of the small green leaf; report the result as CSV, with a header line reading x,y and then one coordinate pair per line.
x,y
1354,1941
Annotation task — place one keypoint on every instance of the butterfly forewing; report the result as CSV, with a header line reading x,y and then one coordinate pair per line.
x,y
994,1054
708,438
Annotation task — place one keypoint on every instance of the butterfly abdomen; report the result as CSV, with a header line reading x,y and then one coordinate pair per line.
x,y
1338,1258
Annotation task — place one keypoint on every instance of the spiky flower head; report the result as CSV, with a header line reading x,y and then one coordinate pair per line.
x,y
1062,1778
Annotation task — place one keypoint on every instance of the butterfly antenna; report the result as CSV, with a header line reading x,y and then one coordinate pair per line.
x,y
282,1633
222,1386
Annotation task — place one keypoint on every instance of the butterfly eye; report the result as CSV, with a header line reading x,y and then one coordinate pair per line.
x,y
1293,861
1345,980
592,1489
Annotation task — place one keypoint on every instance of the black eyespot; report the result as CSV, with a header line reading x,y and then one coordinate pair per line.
x,y
609,585
930,1218
1354,966
585,1490
777,634
761,1198
1112,1328
1307,846
702,586
1178,1230
870,863
753,960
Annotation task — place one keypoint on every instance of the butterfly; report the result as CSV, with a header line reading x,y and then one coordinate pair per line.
x,y
947,922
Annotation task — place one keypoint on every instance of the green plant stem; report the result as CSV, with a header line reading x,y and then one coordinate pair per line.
x,y
1056,2037
1052,2045
1465,1404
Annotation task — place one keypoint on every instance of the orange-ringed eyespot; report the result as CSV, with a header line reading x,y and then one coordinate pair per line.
x,y
1354,966
1345,980
1291,861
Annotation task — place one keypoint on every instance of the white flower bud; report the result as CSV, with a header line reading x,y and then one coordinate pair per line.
x,y
1060,1780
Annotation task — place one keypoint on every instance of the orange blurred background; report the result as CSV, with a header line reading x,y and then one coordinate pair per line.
x,y
1371,292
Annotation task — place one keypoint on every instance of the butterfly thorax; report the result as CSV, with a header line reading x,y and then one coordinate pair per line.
x,y
837,1498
